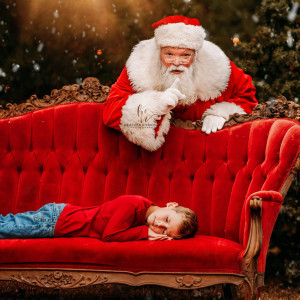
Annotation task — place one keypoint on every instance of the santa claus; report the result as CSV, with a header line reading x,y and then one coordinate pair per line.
x,y
177,73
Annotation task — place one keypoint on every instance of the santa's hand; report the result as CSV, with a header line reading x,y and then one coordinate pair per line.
x,y
170,98
153,236
212,123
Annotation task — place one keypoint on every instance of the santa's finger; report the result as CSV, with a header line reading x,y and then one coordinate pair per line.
x,y
175,83
204,125
214,126
177,93
208,127
172,99
221,123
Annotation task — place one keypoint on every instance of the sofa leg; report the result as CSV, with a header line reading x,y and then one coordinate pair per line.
x,y
246,291
251,281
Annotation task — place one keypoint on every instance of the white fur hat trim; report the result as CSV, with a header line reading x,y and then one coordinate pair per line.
x,y
179,35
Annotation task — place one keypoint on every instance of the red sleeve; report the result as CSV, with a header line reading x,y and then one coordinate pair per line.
x,y
120,91
241,90
131,234
119,228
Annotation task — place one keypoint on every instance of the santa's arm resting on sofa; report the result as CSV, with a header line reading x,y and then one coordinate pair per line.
x,y
267,205
239,97
144,118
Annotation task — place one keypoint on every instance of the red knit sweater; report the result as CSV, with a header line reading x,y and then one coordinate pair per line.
x,y
119,220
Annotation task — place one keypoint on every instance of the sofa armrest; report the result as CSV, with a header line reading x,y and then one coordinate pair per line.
x,y
259,216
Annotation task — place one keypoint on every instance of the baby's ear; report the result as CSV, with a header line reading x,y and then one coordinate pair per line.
x,y
172,204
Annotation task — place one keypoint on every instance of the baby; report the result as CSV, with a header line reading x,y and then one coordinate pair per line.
x,y
126,218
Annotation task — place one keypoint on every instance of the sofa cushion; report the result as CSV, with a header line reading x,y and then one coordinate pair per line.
x,y
199,254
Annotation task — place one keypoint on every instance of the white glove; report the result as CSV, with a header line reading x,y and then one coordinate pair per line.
x,y
169,98
212,123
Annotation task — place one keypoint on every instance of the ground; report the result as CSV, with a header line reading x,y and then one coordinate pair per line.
x,y
273,290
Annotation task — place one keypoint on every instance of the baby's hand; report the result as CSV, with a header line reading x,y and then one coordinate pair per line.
x,y
153,236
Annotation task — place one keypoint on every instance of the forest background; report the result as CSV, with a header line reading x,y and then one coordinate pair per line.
x,y
48,44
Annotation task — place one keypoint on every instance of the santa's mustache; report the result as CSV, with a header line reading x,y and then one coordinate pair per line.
x,y
177,68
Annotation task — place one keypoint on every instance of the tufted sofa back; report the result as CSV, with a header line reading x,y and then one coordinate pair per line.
x,y
65,154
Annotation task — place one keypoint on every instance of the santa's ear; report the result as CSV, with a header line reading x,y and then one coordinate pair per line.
x,y
172,204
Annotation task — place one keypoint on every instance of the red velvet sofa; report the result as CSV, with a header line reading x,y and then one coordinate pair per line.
x,y
234,180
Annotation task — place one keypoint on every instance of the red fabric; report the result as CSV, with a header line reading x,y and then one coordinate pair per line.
x,y
65,154
122,219
119,93
239,91
271,205
156,129
176,19
199,254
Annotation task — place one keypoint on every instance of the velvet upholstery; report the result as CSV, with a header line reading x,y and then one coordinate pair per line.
x,y
200,254
65,154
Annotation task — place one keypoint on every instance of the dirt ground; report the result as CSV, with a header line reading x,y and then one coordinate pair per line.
x,y
273,290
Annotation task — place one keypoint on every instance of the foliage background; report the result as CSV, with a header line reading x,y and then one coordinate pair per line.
x,y
47,44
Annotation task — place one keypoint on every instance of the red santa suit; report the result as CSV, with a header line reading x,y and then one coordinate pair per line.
x,y
122,219
221,88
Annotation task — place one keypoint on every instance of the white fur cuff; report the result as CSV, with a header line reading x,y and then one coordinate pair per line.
x,y
138,122
224,109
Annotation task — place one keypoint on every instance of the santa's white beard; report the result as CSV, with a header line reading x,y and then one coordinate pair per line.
x,y
186,83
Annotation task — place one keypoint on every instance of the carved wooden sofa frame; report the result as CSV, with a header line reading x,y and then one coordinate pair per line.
x,y
244,286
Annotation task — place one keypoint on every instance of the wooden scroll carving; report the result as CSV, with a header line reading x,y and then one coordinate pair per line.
x,y
249,287
60,279
90,90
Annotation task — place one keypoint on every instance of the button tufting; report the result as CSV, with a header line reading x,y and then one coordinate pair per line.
x,y
192,177
170,176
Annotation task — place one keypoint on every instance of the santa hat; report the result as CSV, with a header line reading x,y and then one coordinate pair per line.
x,y
179,31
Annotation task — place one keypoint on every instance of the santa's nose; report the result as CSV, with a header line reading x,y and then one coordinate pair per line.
x,y
176,61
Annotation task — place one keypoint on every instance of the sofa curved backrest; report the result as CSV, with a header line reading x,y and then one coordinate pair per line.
x,y
66,154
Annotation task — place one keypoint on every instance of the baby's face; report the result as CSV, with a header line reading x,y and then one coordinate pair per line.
x,y
165,220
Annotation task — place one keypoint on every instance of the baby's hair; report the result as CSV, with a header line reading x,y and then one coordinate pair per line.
x,y
189,225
